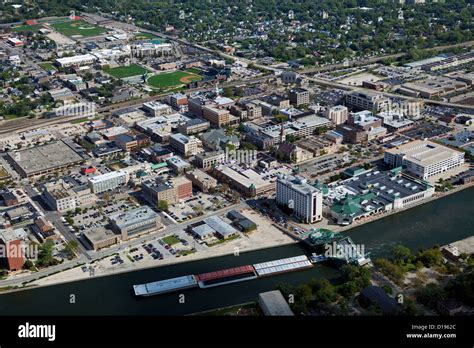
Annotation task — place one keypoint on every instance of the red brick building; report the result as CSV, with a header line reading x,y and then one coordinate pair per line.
x,y
11,253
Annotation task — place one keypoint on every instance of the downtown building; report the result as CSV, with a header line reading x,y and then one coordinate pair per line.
x,y
108,181
135,222
367,101
426,160
184,145
304,200
171,191
62,197
337,114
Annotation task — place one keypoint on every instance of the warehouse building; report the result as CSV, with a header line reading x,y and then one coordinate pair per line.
x,y
43,160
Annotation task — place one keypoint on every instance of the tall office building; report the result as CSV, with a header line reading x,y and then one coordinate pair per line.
x,y
305,200
337,114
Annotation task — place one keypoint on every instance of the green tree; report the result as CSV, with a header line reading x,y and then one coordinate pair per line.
x,y
430,295
162,205
71,248
348,289
430,257
45,254
402,254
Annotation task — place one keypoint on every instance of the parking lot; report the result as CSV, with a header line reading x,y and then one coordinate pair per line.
x,y
199,203
159,248
95,217
323,164
426,130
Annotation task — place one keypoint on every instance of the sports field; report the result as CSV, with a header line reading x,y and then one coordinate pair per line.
x,y
78,28
173,79
122,72
25,28
144,36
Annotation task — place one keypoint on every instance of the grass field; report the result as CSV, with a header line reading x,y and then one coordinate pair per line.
x,y
144,36
171,240
172,79
73,28
24,28
47,66
193,71
126,71
3,174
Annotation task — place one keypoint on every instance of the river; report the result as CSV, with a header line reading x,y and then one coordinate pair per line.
x,y
436,223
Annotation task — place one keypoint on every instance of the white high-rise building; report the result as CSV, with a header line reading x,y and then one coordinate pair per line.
x,y
337,114
305,200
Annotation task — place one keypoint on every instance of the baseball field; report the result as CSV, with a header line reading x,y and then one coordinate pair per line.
x,y
173,79
77,28
122,72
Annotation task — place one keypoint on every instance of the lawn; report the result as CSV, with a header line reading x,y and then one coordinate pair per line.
x,y
3,174
78,28
144,36
126,71
47,66
25,28
193,71
171,240
172,79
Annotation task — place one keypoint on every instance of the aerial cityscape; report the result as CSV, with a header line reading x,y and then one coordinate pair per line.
x,y
237,158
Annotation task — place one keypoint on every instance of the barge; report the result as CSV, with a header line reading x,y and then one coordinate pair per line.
x,y
164,286
225,276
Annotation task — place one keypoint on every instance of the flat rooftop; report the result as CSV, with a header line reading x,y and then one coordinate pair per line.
x,y
385,185
247,177
273,303
46,157
134,216
424,153
298,184
99,234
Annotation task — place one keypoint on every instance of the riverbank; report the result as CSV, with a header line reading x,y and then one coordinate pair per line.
x,y
439,222
265,238
363,221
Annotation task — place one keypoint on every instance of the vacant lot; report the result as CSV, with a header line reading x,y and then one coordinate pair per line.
x,y
173,79
126,71
78,28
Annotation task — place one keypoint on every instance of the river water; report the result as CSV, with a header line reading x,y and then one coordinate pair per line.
x,y
436,223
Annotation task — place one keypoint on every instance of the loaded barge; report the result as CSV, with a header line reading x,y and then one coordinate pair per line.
x,y
223,277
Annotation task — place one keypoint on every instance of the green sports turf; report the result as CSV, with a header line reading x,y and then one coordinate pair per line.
x,y
126,71
73,28
144,36
172,79
25,28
